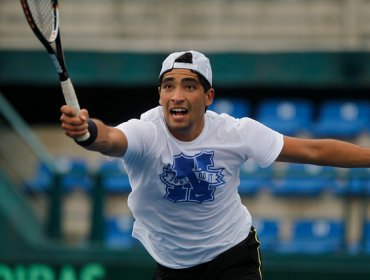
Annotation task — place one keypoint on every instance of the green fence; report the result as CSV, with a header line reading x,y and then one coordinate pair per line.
x,y
313,69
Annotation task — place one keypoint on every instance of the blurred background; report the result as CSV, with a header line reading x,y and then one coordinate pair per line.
x,y
301,67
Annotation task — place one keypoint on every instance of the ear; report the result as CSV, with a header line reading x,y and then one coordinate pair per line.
x,y
159,93
210,94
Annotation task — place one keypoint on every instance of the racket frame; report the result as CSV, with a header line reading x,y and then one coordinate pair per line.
x,y
56,55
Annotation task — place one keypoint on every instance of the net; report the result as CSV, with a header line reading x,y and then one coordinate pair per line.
x,y
45,16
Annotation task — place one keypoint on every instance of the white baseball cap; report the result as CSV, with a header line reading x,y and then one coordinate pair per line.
x,y
200,64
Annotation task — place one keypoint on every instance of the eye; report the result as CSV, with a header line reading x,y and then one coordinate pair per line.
x,y
167,86
190,86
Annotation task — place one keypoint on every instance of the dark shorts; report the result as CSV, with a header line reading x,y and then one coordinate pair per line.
x,y
241,262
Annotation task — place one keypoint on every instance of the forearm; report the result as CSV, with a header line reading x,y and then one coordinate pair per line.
x,y
341,154
103,138
324,152
109,140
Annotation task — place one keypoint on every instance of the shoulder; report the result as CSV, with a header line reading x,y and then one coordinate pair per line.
x,y
147,124
153,115
216,117
228,121
147,120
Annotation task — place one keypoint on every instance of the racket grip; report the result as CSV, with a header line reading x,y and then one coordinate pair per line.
x,y
71,100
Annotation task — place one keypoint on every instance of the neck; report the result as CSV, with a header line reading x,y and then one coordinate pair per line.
x,y
188,134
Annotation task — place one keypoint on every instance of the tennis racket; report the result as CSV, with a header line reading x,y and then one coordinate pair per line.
x,y
43,18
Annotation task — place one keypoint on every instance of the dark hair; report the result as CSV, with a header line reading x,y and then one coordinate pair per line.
x,y
188,58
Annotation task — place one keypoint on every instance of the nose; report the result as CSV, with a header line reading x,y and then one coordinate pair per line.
x,y
178,95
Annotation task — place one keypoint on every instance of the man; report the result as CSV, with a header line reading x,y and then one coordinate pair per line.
x,y
183,163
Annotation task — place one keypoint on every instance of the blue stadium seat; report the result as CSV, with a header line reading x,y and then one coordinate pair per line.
x,y
41,182
342,119
118,232
254,178
235,107
114,177
287,116
304,180
268,232
75,175
314,236
356,183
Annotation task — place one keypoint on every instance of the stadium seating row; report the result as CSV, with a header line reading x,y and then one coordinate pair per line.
x,y
287,179
308,236
311,236
336,118
291,179
118,232
75,174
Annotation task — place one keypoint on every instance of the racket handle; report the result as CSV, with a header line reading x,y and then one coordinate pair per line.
x,y
71,100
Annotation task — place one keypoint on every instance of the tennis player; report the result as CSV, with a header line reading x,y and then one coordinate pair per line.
x,y
183,162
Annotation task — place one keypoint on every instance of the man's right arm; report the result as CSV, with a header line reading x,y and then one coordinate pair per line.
x,y
109,140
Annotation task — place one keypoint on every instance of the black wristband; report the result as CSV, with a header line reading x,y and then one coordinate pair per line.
x,y
93,130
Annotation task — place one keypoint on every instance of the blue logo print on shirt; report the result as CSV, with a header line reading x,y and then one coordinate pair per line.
x,y
191,178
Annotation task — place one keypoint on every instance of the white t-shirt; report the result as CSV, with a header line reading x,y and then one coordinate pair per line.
x,y
184,195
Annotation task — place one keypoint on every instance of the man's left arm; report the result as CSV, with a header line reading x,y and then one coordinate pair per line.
x,y
328,152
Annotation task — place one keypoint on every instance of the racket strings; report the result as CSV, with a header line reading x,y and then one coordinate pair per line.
x,y
45,17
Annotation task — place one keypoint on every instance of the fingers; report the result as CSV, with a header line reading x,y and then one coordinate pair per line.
x,y
71,112
84,114
74,126
67,110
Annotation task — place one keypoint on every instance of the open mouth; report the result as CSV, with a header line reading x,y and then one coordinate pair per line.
x,y
178,111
